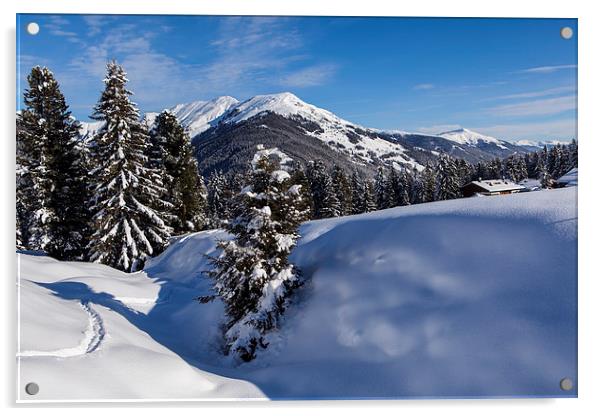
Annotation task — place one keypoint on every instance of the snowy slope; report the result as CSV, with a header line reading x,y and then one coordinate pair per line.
x,y
455,298
472,138
86,333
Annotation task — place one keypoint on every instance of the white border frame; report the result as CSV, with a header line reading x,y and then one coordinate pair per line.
x,y
590,287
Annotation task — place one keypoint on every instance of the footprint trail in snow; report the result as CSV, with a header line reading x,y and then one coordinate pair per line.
x,y
93,337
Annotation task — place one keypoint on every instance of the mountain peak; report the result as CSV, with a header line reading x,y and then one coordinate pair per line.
x,y
285,104
198,116
466,136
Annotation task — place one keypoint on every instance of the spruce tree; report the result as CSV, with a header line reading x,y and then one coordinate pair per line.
x,y
51,172
447,178
299,177
325,201
380,189
368,202
405,188
394,198
217,200
127,229
186,195
574,154
429,184
253,275
357,193
342,190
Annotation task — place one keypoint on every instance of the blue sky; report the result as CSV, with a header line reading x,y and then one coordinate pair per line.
x,y
510,78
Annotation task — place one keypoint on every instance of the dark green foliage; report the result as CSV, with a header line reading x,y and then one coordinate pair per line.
x,y
252,275
186,195
325,201
447,178
342,190
127,229
51,172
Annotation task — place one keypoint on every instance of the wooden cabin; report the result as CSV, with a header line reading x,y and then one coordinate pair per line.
x,y
491,187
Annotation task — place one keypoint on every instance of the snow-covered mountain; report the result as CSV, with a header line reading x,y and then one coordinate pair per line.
x,y
534,145
87,130
471,138
199,116
225,131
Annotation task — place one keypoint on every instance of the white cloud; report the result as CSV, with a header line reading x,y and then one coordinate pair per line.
x,y
421,87
536,107
309,77
546,69
536,94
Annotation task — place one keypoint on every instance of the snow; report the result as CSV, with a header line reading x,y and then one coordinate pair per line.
x,y
82,340
569,178
498,185
465,136
87,130
199,116
465,298
539,143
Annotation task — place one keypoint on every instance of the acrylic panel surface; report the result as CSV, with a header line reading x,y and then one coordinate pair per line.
x,y
268,208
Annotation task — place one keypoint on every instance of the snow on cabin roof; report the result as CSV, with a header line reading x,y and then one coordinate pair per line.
x,y
569,178
497,185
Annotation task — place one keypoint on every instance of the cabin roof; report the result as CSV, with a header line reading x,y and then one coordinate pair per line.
x,y
569,178
496,185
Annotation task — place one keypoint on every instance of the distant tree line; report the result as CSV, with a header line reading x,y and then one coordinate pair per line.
x,y
331,192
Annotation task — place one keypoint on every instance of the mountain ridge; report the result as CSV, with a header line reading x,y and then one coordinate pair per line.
x,y
260,118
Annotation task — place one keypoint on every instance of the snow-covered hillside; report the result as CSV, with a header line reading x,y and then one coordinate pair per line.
x,y
465,298
472,138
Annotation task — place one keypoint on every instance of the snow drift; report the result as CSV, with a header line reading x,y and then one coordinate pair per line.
x,y
465,298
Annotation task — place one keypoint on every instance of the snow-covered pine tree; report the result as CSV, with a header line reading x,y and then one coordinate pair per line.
x,y
325,201
494,168
393,188
574,153
217,199
357,193
429,184
417,187
342,189
545,179
554,161
127,230
380,188
564,161
405,188
480,172
465,171
448,186
331,205
172,155
253,275
299,177
51,172
368,202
